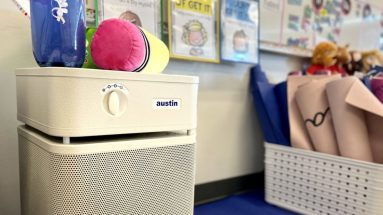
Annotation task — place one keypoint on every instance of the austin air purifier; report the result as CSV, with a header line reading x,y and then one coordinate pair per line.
x,y
106,142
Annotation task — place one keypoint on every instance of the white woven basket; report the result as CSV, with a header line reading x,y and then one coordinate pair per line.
x,y
315,183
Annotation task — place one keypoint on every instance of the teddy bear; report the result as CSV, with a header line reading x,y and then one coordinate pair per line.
x,y
343,59
371,59
325,58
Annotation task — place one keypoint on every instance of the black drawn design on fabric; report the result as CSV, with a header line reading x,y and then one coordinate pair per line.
x,y
318,119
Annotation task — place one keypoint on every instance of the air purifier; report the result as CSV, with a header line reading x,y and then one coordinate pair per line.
x,y
106,142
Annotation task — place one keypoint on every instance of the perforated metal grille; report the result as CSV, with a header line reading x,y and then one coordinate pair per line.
x,y
143,181
314,183
34,179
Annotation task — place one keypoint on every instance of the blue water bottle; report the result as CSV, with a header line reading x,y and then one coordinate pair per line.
x,y
58,32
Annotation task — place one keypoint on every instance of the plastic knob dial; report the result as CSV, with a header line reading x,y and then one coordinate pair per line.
x,y
114,103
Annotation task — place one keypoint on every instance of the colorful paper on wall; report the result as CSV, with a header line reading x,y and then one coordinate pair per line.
x,y
240,28
193,30
144,13
297,29
298,25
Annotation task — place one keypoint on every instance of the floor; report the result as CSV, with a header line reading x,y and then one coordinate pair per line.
x,y
248,203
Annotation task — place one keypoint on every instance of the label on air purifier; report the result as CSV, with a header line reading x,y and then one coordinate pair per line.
x,y
169,104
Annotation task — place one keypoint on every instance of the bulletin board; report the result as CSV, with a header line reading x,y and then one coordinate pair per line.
x,y
296,26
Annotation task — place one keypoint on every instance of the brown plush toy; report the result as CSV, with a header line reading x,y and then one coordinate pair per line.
x,y
343,58
325,57
371,59
355,64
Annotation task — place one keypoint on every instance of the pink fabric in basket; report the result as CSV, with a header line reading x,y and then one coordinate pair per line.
x,y
118,45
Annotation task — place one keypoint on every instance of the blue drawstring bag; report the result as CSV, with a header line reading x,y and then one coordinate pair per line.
x,y
271,105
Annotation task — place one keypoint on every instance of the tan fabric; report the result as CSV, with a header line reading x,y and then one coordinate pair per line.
x,y
298,134
313,105
360,97
375,124
349,120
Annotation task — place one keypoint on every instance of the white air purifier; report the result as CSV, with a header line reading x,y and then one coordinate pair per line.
x,y
106,142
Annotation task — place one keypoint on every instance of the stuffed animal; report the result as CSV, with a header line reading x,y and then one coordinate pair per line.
x,y
355,65
324,58
371,59
343,58
88,63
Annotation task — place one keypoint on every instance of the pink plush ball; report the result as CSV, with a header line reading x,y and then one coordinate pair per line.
x,y
118,45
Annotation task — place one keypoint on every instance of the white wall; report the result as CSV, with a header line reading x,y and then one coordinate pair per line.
x,y
229,139
15,51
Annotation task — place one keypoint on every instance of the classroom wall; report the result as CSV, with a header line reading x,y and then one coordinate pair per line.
x,y
229,141
229,138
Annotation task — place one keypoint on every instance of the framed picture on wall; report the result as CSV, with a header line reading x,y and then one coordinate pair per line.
x,y
240,31
143,13
194,30
91,10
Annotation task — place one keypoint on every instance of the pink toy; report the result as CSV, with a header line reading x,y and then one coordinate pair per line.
x,y
119,45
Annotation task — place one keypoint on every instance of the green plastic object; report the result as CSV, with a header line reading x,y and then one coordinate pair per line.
x,y
88,63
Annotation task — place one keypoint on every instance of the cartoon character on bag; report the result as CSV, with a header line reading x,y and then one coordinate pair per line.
x,y
194,35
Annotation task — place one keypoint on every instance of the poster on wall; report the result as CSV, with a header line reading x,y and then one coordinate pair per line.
x,y
298,25
351,22
91,13
372,27
240,31
143,13
194,30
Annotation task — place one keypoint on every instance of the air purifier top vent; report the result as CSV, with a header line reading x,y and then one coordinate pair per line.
x,y
104,74
80,146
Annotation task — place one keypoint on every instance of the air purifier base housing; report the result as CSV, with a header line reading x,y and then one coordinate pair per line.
x,y
126,174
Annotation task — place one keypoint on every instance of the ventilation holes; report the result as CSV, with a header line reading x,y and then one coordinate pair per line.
x,y
319,186
142,181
